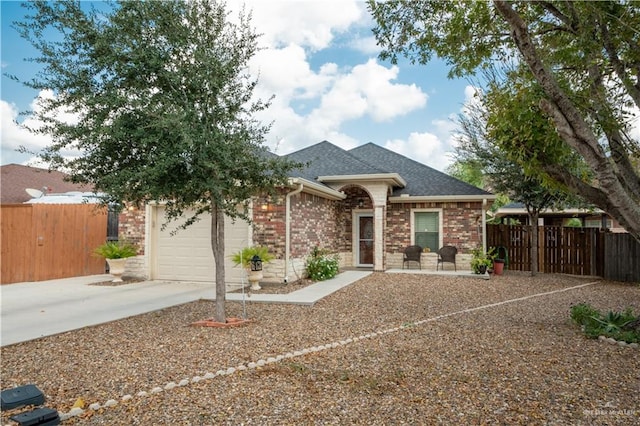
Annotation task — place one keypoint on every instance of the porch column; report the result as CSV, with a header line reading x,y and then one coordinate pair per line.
x,y
378,221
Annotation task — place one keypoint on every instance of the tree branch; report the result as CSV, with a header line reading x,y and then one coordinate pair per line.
x,y
549,7
618,66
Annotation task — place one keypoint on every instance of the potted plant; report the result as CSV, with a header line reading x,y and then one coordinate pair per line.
x,y
480,261
116,254
499,261
244,258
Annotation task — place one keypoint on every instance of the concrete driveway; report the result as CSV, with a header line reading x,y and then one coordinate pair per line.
x,y
36,309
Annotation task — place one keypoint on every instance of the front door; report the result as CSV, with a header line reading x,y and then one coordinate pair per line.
x,y
365,240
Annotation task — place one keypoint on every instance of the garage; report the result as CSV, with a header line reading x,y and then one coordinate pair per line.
x,y
187,255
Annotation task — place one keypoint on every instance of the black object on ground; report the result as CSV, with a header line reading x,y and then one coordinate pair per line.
x,y
21,396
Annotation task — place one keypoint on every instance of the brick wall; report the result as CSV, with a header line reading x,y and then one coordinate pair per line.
x,y
315,221
131,226
328,224
461,224
131,222
269,224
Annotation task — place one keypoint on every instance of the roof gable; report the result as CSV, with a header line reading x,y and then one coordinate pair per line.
x,y
327,159
421,179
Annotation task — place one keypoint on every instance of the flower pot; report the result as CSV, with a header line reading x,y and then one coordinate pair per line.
x,y
482,269
498,266
254,278
116,268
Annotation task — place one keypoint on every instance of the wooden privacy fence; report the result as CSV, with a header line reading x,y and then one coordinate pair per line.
x,y
576,251
560,250
49,241
621,258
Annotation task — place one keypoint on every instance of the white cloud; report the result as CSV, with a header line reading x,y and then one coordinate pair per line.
x,y
368,90
311,24
367,45
314,101
287,73
426,148
16,135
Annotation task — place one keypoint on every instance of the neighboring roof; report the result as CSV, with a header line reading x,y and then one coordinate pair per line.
x,y
73,197
408,177
16,178
519,209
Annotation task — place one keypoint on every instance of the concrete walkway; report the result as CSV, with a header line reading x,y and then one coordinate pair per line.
x,y
36,309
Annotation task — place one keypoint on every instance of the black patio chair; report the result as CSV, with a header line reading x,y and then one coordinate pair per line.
x,y
412,254
447,254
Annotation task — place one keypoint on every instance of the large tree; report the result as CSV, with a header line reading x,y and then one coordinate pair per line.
x,y
163,105
492,128
585,57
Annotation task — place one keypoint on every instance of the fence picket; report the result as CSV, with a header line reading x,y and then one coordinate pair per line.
x,y
48,241
576,251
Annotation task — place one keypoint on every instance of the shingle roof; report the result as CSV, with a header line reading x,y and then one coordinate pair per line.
x,y
421,179
326,159
330,160
16,178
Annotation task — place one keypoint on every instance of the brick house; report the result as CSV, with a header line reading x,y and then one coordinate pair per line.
x,y
366,204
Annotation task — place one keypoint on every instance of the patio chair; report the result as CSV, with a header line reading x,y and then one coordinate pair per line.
x,y
412,254
447,254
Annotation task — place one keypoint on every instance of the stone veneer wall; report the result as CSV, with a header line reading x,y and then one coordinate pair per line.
x,y
429,262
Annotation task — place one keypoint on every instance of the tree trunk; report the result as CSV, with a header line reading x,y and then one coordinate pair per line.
x,y
217,246
533,221
610,195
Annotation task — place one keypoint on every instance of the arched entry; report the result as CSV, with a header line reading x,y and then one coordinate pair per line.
x,y
360,231
376,188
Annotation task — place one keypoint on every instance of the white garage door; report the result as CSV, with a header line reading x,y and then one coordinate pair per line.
x,y
187,255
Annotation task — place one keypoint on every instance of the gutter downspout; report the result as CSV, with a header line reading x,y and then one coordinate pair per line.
x,y
484,225
287,220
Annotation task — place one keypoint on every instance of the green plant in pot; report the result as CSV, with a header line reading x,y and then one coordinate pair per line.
x,y
480,261
116,254
244,258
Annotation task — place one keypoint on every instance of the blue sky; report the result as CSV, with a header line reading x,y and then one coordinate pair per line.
x,y
321,64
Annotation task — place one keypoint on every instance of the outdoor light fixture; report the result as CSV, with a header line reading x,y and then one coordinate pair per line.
x,y
256,263
361,203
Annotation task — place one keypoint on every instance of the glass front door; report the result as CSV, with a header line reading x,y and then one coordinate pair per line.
x,y
365,240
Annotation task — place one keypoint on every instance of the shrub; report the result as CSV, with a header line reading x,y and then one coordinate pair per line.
x,y
321,265
584,314
613,324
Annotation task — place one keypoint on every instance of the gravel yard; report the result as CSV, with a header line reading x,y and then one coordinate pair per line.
x,y
522,362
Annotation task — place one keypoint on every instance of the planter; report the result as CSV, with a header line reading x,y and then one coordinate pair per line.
x,y
116,268
481,269
498,266
254,278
